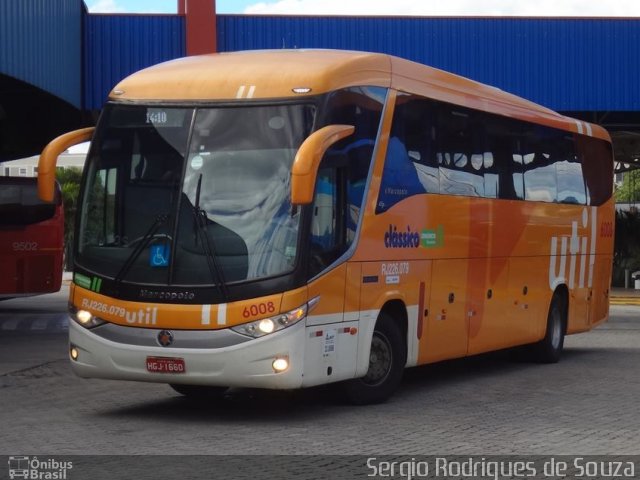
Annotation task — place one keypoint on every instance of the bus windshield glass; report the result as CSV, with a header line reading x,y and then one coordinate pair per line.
x,y
192,196
19,202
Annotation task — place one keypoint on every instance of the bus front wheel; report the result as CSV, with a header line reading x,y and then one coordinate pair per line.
x,y
549,349
387,360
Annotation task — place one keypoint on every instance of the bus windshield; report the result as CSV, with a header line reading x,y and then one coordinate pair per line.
x,y
31,239
20,205
192,196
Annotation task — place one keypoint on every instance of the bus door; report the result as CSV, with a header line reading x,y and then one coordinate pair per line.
x,y
331,354
326,244
335,215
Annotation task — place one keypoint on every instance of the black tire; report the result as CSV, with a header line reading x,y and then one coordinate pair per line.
x,y
387,360
549,349
199,392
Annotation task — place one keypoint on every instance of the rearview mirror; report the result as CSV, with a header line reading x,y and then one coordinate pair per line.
x,y
305,166
49,157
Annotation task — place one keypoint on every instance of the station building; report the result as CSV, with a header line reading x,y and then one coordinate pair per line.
x,y
58,62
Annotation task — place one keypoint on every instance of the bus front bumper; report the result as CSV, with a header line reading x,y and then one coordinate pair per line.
x,y
248,364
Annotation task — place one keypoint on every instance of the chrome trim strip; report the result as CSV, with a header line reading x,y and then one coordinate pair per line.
x,y
148,337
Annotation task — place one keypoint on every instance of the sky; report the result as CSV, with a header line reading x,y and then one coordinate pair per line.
x,y
571,8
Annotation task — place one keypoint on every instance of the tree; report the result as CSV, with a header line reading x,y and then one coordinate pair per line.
x,y
629,191
69,180
626,255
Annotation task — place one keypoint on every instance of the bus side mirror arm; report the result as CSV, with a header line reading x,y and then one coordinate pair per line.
x,y
49,157
305,165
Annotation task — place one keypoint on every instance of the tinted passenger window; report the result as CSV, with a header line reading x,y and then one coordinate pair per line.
x,y
597,163
570,180
436,147
461,146
410,165
539,164
539,178
502,172
517,176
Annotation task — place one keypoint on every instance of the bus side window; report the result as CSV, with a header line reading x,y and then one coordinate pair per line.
x,y
336,208
539,154
357,181
517,176
103,191
362,108
539,178
502,164
410,167
597,163
571,188
327,239
461,146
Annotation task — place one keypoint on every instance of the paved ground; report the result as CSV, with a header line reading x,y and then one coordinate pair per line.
x,y
587,404
625,296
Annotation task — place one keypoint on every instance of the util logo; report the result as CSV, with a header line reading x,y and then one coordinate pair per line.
x,y
579,248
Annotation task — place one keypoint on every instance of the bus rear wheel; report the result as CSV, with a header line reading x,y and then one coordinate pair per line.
x,y
387,360
549,349
199,392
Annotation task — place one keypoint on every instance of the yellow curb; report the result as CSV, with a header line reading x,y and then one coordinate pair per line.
x,y
620,301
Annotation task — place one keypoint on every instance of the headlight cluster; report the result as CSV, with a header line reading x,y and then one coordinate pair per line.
x,y
85,318
265,326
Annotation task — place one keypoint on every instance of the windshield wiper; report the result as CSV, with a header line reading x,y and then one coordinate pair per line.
x,y
208,245
142,243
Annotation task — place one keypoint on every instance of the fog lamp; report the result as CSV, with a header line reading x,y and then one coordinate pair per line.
x,y
280,364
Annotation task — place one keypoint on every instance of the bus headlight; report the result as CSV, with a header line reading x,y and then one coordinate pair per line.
x,y
84,317
265,326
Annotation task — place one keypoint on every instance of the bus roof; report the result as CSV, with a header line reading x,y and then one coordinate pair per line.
x,y
274,74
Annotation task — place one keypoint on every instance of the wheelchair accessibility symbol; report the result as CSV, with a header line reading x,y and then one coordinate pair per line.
x,y
159,256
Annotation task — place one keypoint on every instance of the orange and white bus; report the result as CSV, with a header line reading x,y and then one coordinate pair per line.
x,y
285,219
